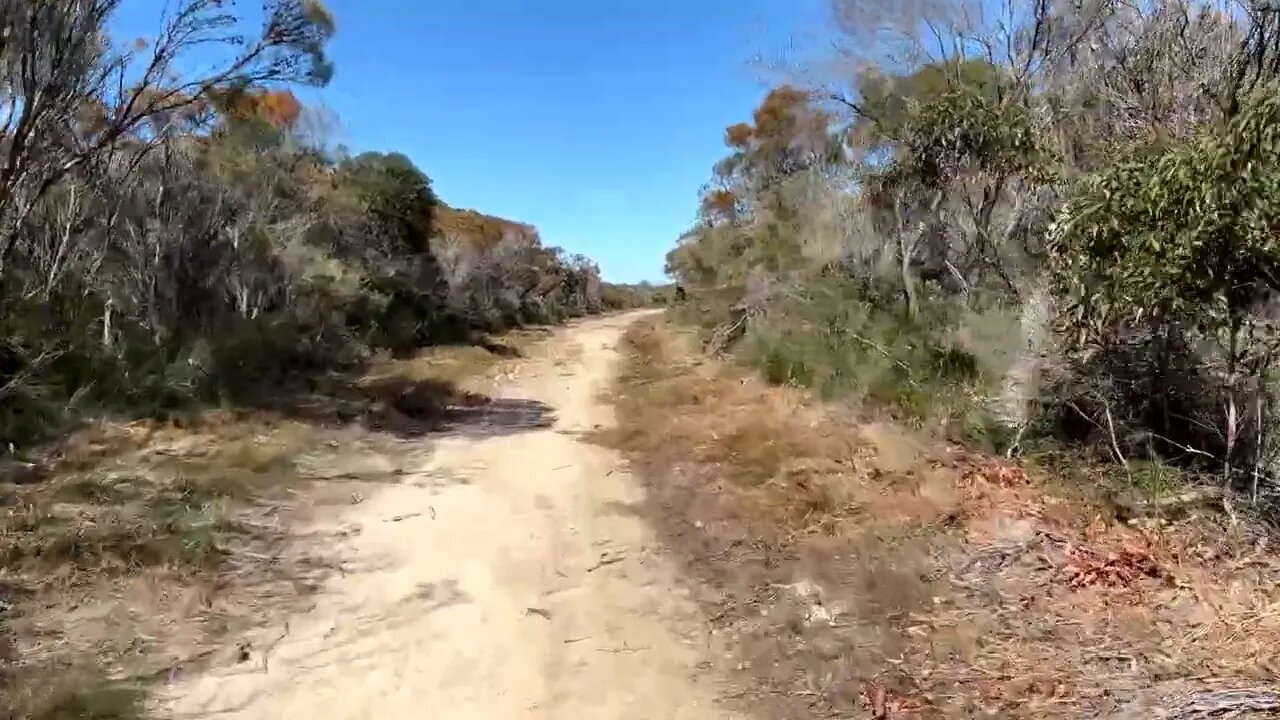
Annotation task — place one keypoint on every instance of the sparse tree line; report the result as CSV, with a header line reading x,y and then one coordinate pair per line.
x,y
169,238
1023,221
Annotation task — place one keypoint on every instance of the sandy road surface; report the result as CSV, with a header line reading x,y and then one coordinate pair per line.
x,y
513,585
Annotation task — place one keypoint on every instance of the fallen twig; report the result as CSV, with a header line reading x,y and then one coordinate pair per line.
x,y
1228,703
623,649
272,646
606,561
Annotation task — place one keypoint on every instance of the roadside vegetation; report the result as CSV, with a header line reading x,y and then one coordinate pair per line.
x,y
856,568
1030,226
616,296
1010,270
205,307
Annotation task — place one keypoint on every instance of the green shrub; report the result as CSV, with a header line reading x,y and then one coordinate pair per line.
x,y
826,337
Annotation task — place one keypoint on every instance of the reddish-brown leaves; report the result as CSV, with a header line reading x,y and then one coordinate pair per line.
x,y
278,108
994,471
884,704
1087,567
719,204
738,136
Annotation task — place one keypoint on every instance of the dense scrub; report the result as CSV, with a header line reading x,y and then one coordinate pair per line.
x,y
1030,225
194,239
853,569
617,296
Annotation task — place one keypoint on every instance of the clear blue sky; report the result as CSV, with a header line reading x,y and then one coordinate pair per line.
x,y
595,120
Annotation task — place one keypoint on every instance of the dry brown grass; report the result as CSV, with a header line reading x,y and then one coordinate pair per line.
x,y
460,364
128,550
129,555
853,568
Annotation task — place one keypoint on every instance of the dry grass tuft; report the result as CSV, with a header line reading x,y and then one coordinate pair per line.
x,y
851,567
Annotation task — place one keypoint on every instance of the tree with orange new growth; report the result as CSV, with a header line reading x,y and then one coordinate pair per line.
x,y
278,108
719,204
738,136
788,133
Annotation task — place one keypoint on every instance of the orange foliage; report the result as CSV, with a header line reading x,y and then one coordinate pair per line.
x,y
719,203
278,108
777,114
480,230
785,119
738,136
281,109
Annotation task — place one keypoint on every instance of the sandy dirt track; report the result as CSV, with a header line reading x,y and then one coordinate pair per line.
x,y
508,580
